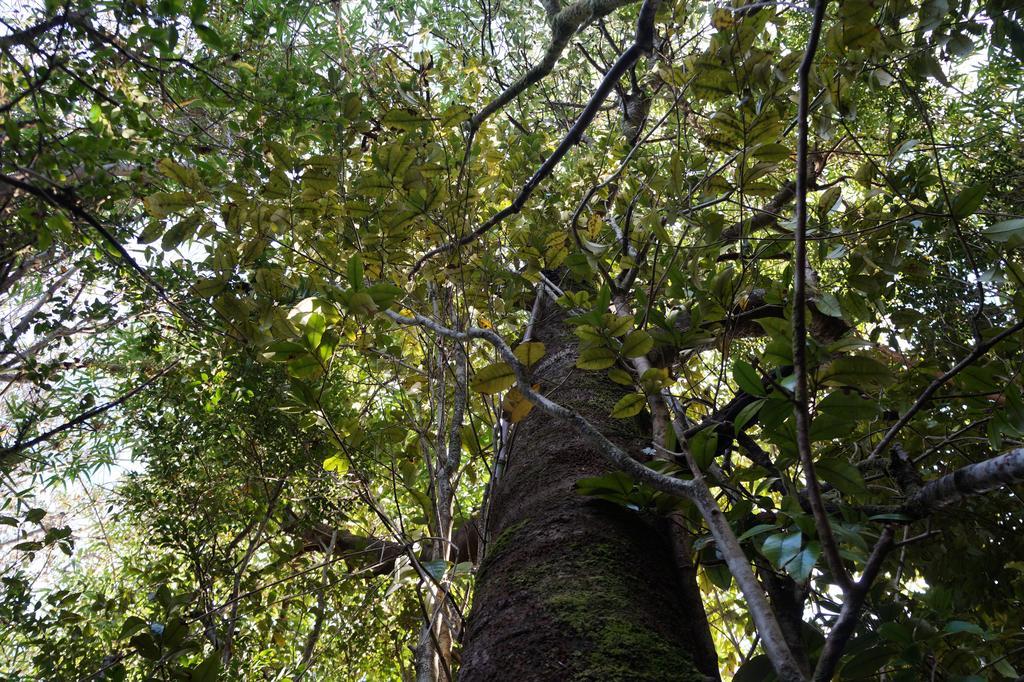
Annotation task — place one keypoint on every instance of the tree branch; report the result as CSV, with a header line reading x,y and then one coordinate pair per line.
x,y
20,446
976,352
850,613
801,405
974,479
643,43
564,25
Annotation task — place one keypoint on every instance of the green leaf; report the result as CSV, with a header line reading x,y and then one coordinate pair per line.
x,y
1004,668
313,328
957,626
969,199
772,152
620,376
629,405
163,204
384,294
529,353
800,566
747,378
132,624
748,413
493,378
180,174
829,305
617,325
208,670
848,405
403,120
759,529
355,271
719,575
637,344
210,37
781,548
362,303
197,9
858,371
596,358
702,445
840,473
757,669
896,632
1006,231
455,114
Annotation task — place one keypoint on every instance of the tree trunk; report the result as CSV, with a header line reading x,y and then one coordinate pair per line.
x,y
573,588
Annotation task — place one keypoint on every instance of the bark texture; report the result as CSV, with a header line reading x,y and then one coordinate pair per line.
x,y
573,588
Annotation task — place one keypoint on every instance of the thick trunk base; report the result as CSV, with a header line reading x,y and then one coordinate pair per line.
x,y
573,588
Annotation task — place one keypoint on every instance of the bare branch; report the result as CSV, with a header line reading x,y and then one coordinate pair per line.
x,y
974,479
800,394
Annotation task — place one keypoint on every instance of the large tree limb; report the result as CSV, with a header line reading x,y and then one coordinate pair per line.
x,y
974,479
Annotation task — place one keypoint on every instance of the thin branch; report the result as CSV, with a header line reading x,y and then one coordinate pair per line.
x,y
976,353
564,25
850,613
66,200
643,44
84,417
801,402
27,35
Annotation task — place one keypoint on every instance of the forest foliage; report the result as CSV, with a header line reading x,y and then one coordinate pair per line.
x,y
239,241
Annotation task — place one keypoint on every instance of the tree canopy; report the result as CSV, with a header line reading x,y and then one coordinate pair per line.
x,y
271,275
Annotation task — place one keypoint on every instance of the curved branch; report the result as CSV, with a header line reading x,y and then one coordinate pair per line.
x,y
643,43
564,25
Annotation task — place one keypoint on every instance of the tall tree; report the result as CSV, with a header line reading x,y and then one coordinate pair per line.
x,y
602,339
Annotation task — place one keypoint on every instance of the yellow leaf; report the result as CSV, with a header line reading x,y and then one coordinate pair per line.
x,y
530,352
336,463
620,376
516,405
493,378
617,325
596,358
